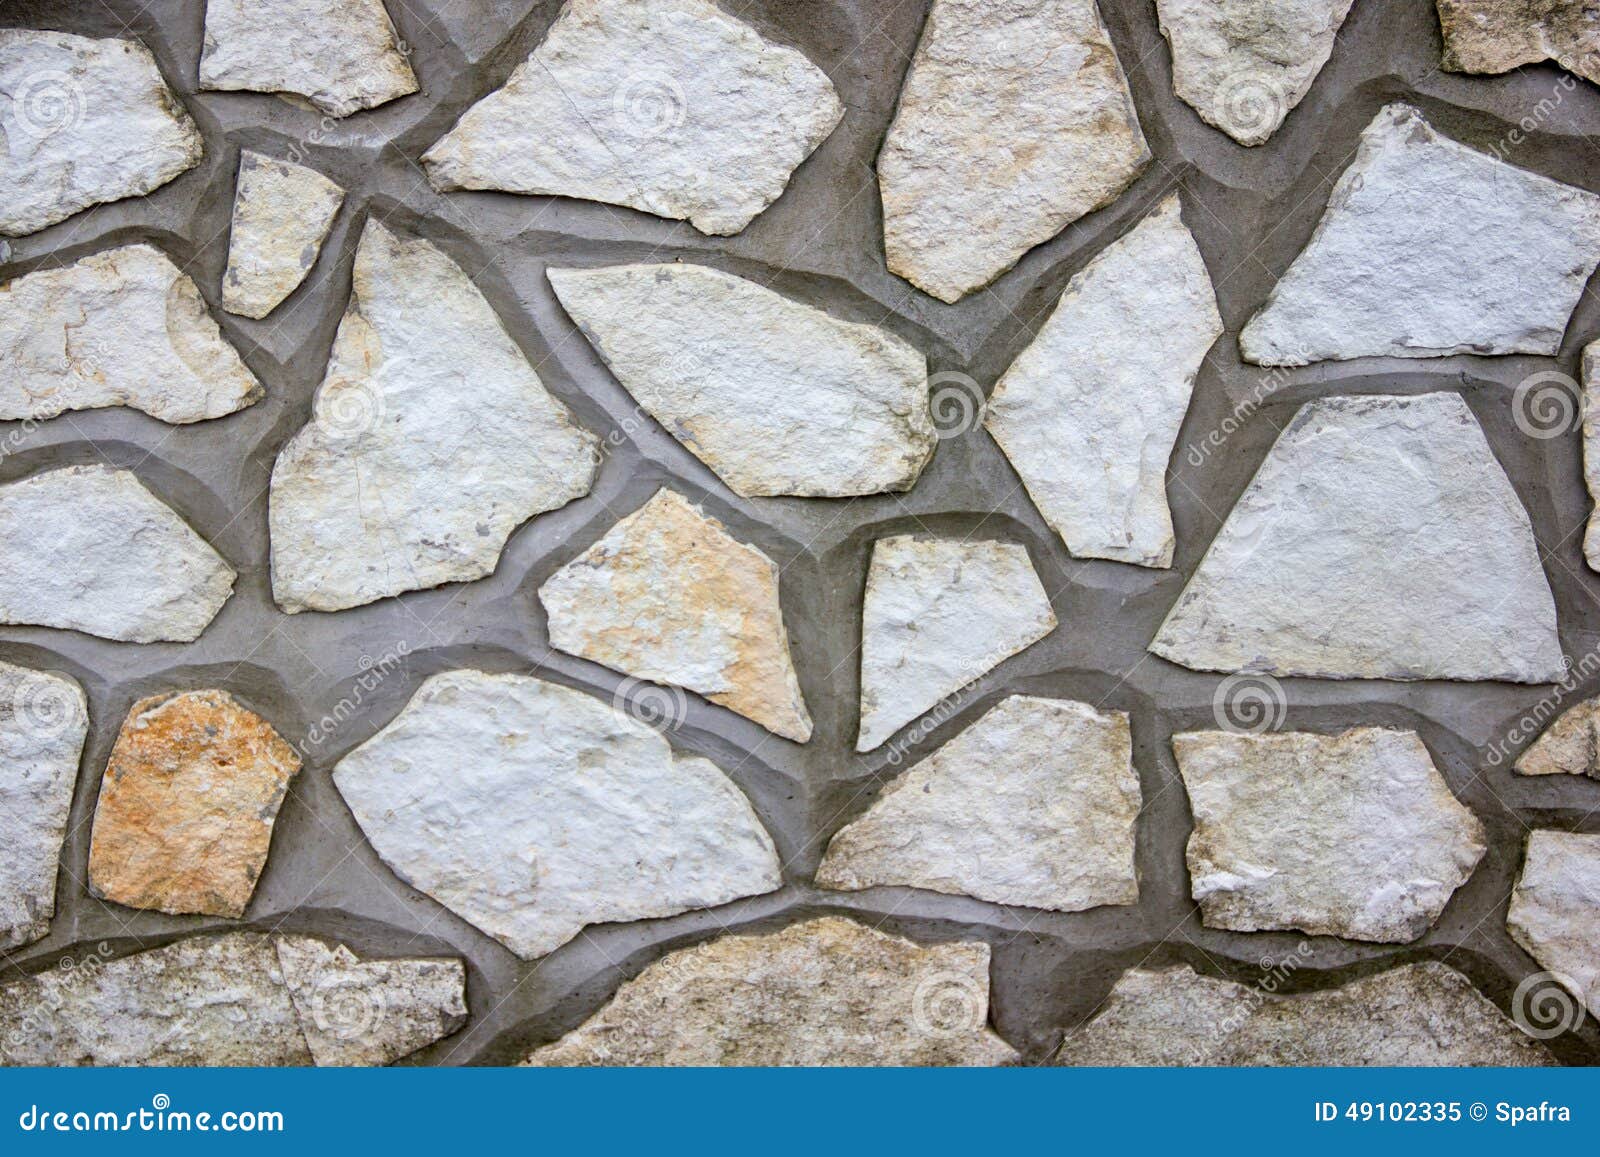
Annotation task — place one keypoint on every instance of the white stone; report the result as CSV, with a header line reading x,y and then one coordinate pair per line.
x,y
773,395
1089,413
1555,911
1015,121
1034,804
88,548
123,327
532,810
340,55
87,121
1430,248
1591,446
1380,539
1244,65
672,107
1571,746
431,440
281,215
937,616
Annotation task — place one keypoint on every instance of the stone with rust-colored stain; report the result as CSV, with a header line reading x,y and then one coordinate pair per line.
x,y
1495,36
187,805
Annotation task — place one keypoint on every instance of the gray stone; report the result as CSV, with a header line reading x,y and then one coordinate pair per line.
x,y
1591,445
1494,36
1555,912
281,215
1571,745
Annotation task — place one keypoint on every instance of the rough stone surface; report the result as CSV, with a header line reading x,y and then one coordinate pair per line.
x,y
1429,248
775,396
1353,835
1089,413
187,805
281,215
431,440
123,327
1570,746
1380,539
823,992
532,810
1015,121
1494,36
88,548
1590,369
88,121
670,596
672,107
1555,910
1244,65
1034,804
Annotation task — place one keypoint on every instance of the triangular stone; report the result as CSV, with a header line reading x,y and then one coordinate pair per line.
x,y
1571,746
281,215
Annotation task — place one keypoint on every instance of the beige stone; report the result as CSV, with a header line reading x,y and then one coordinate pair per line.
x,y
1494,36
1555,915
1571,745
281,215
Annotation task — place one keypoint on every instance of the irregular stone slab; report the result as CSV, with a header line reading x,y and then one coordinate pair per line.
x,y
1417,1015
1591,450
531,811
1089,413
1354,835
1430,248
1379,540
822,992
187,804
775,396
1015,121
281,215
937,616
1571,746
1034,804
88,548
124,327
1555,912
1244,65
1495,36
44,718
431,440
88,121
341,56
671,107
670,596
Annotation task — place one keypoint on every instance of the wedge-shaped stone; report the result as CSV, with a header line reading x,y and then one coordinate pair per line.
x,y
124,327
1555,912
431,440
281,215
1033,804
88,548
938,615
1089,413
775,396
1416,1015
341,56
672,107
1571,745
531,810
1353,835
87,121
1430,248
670,596
44,718
823,992
1015,121
1379,540
1244,65
1591,447
1494,36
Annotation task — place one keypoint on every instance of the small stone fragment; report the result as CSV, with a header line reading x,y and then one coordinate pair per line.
x,y
823,992
1089,413
340,55
431,440
44,718
1354,835
531,811
1571,746
672,107
281,215
124,327
88,548
775,396
1495,36
1430,248
937,616
187,805
88,121
1381,539
1555,911
668,595
1591,449
1034,804
1015,121
1417,1015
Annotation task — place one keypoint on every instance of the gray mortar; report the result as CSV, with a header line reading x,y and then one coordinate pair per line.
x,y
1251,211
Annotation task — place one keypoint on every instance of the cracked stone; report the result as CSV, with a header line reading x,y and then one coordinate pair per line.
x,y
1495,36
1571,746
281,215
1555,911
1591,444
